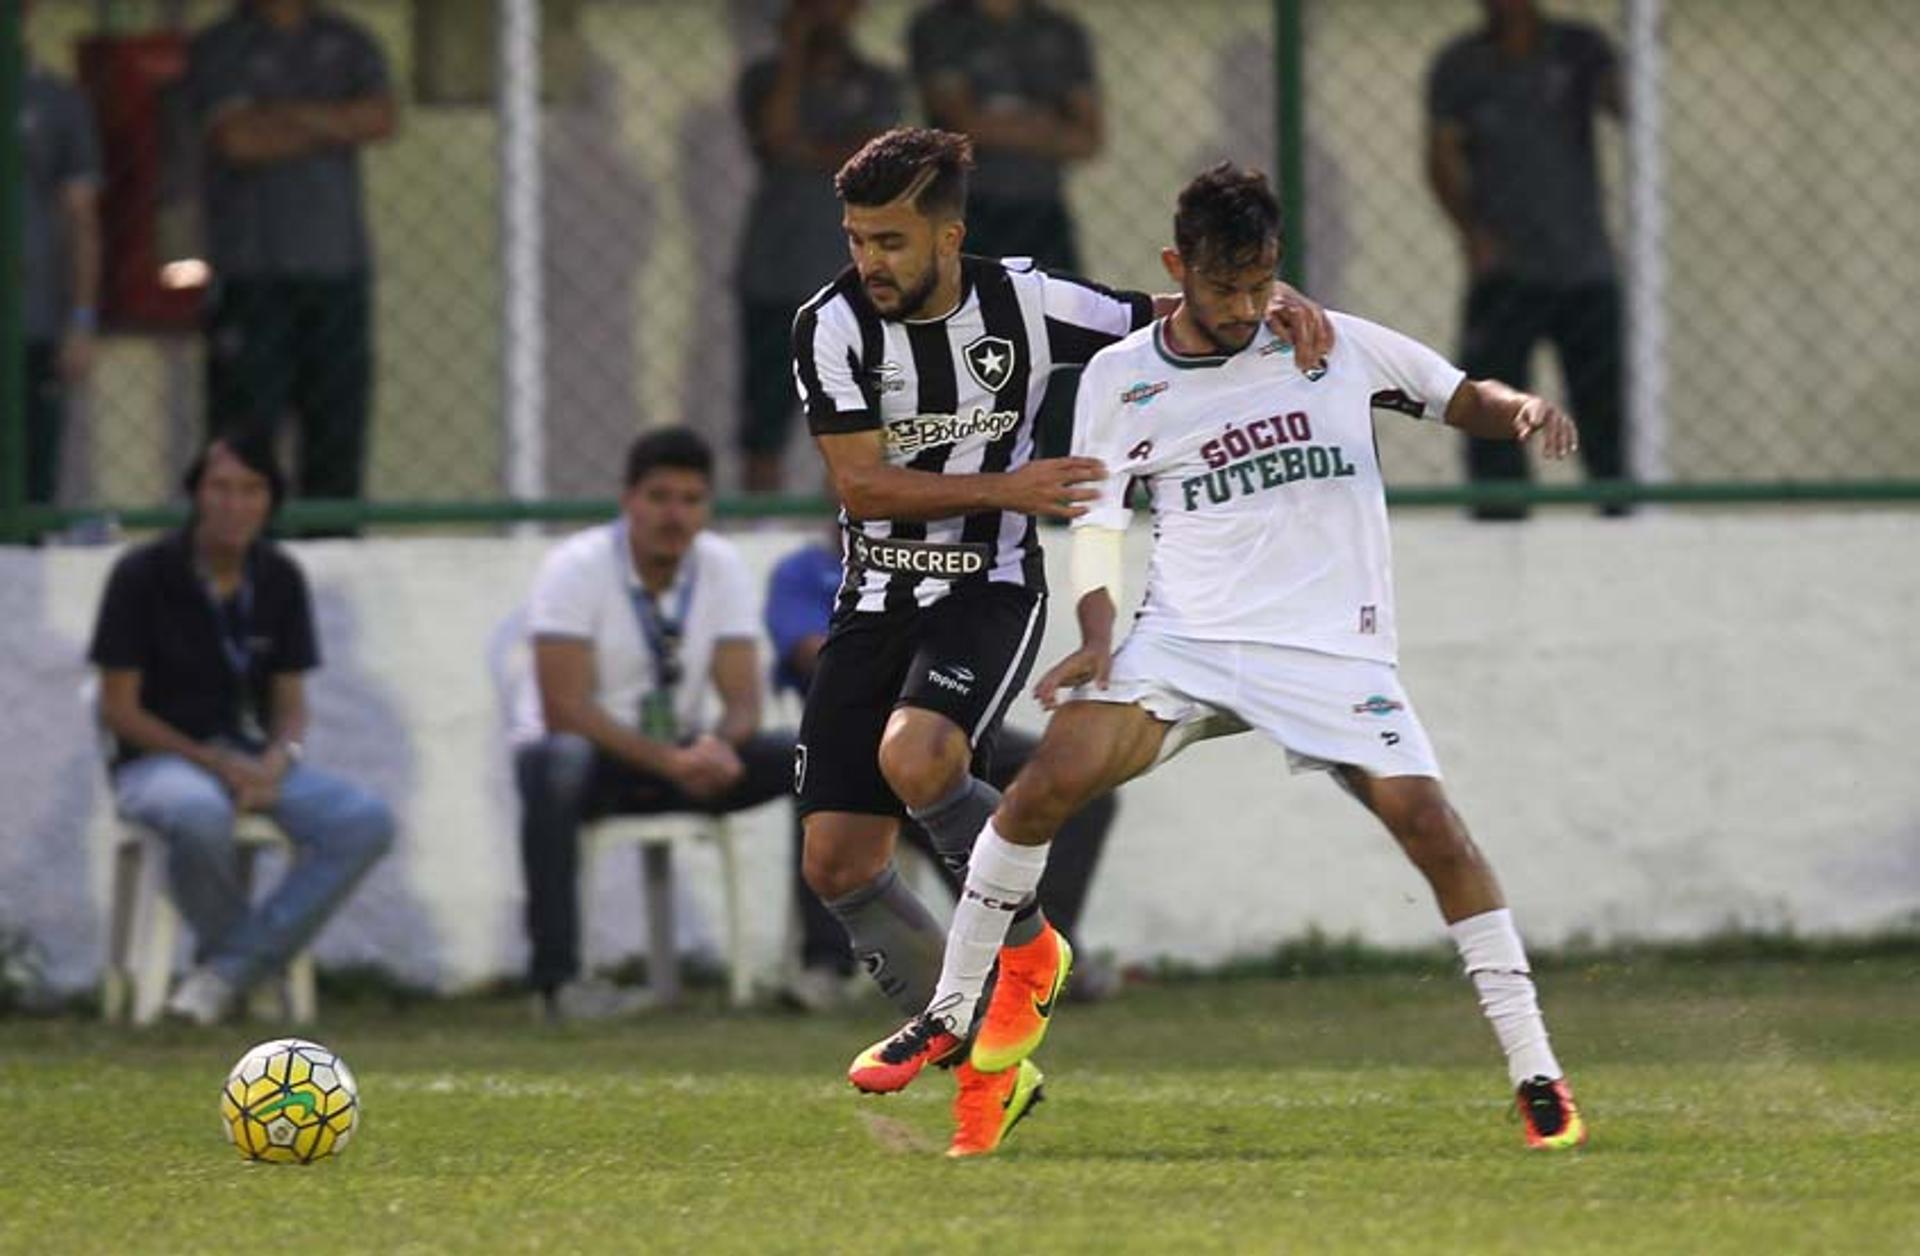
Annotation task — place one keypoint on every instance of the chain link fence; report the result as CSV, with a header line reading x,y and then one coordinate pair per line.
x,y
1763,233
1756,191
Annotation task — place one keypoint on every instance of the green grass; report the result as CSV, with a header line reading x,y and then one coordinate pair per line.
x,y
1741,1107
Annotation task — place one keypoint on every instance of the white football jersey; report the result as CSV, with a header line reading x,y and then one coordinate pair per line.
x,y
1270,516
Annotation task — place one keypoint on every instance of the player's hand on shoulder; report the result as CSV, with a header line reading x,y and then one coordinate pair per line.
x,y
1555,427
1091,664
1054,487
1298,318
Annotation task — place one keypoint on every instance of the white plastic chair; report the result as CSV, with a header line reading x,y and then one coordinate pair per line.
x,y
655,836
511,664
144,927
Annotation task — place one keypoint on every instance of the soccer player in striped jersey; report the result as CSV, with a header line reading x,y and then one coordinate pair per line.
x,y
1269,607
920,369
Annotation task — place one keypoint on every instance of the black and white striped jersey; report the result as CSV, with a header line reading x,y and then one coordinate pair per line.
x,y
955,394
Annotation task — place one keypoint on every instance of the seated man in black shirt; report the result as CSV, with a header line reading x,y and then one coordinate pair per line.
x,y
202,642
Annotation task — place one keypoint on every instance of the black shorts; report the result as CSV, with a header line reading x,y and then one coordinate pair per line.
x,y
966,657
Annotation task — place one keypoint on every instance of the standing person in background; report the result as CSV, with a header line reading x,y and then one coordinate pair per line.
x,y
60,260
203,642
286,94
1510,157
1017,77
633,623
806,109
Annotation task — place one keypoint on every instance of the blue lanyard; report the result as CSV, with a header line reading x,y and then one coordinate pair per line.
x,y
235,632
662,634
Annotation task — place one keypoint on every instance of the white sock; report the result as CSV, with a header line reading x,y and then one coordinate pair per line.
x,y
1000,876
1491,953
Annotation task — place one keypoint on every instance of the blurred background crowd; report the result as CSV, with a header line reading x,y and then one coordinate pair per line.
x,y
453,253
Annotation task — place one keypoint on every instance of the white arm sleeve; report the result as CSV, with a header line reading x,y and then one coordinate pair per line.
x,y
1405,375
1096,561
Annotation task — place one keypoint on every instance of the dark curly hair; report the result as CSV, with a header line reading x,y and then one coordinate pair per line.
x,y
1227,218
680,448
931,164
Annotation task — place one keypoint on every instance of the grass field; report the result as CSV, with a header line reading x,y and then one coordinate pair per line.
x,y
1743,1107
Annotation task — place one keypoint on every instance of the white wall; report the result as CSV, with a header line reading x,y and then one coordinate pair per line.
x,y
1656,727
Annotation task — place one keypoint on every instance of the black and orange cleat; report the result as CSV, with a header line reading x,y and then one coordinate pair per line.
x,y
894,1061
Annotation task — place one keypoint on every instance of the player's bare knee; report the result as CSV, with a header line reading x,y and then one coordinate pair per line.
x,y
837,860
826,877
923,763
835,873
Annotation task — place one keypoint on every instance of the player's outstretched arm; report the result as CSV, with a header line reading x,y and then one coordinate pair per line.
x,y
1491,410
872,488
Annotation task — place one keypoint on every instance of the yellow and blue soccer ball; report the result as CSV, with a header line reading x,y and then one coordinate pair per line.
x,y
289,1101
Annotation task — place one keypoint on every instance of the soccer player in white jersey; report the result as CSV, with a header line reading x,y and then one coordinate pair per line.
x,y
920,369
1269,607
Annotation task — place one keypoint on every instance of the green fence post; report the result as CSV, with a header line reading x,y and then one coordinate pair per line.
x,y
13,408
1290,131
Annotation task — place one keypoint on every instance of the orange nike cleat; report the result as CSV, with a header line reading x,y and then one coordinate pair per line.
x,y
1031,977
894,1061
1552,1118
989,1105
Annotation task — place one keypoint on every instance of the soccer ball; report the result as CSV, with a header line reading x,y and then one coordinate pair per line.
x,y
289,1101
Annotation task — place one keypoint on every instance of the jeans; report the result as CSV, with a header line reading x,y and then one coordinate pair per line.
x,y
338,832
564,782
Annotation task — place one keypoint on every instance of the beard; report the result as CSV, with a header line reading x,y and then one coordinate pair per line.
x,y
911,302
1243,334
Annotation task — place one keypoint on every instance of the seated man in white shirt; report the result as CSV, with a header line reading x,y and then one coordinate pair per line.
x,y
633,624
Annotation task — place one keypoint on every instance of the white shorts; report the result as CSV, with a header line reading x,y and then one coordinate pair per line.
x,y
1324,710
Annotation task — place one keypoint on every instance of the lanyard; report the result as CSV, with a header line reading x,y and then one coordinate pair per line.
x,y
661,633
235,631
